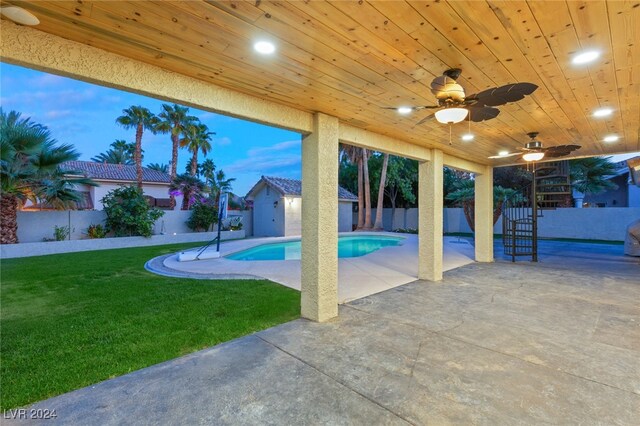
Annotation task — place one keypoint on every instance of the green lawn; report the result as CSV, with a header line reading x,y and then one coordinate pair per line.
x,y
71,320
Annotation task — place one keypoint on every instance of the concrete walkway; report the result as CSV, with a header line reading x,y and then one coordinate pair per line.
x,y
358,277
492,344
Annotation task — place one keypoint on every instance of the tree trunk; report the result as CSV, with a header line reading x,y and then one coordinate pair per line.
x,y
367,190
194,163
185,200
469,214
383,180
360,196
174,164
497,211
137,157
8,219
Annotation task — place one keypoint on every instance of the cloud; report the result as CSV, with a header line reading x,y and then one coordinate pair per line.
x,y
57,113
283,157
46,81
281,146
223,141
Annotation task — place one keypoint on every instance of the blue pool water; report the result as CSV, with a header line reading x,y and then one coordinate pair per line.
x,y
355,246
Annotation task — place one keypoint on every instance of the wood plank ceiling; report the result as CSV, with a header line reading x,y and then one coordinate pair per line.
x,y
350,58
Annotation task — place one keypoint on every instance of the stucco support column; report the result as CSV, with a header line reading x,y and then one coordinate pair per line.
x,y
484,215
320,220
430,210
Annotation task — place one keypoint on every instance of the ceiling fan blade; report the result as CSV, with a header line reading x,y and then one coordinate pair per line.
x,y
560,150
417,108
424,120
497,96
505,156
478,114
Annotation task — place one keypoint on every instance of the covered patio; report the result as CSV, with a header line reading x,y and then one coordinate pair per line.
x,y
489,342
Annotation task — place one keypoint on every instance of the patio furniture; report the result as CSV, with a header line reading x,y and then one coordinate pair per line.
x,y
632,240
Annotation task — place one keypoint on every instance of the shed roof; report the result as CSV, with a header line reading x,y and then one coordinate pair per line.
x,y
291,187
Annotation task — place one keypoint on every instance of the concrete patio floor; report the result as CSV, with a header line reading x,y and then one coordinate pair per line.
x,y
491,344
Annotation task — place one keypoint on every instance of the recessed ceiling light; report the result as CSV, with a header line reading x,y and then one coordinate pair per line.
x,y
264,47
611,138
503,153
19,15
404,110
585,57
467,137
602,112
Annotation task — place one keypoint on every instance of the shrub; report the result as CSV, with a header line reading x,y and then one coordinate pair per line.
x,y
204,214
128,212
406,231
61,233
96,231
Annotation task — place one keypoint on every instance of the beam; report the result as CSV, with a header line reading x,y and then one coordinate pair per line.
x,y
461,164
484,215
363,138
320,220
430,221
35,49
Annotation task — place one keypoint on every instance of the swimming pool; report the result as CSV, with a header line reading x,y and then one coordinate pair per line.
x,y
348,246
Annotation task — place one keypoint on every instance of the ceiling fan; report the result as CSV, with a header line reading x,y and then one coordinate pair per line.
x,y
453,105
534,151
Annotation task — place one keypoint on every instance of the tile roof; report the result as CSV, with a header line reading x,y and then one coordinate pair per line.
x,y
115,172
294,187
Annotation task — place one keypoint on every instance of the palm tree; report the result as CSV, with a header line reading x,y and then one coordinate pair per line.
x,y
190,187
591,176
383,180
141,119
197,138
221,184
174,119
464,196
31,168
207,170
121,152
367,189
354,155
158,167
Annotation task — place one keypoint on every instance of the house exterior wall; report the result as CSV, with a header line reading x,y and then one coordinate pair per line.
x,y
345,212
268,221
285,220
153,190
292,216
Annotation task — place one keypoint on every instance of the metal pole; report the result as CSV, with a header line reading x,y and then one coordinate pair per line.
x,y
534,212
219,230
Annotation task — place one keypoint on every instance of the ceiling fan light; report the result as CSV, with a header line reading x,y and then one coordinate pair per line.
x,y
19,15
451,115
533,156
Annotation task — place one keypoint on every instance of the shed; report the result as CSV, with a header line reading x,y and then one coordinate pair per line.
x,y
277,207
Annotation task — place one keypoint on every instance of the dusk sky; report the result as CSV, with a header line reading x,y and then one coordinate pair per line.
x,y
84,115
